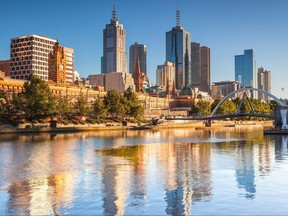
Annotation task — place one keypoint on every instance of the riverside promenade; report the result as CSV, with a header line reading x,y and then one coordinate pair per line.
x,y
194,125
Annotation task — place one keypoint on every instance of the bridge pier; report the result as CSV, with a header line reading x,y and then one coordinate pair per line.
x,y
208,123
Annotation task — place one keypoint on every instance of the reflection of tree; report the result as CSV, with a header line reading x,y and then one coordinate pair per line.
x,y
280,147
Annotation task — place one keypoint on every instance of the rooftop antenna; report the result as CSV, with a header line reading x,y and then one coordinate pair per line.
x,y
114,13
177,14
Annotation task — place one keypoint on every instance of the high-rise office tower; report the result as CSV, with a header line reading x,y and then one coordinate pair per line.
x,y
138,51
195,65
165,75
205,69
114,52
57,65
69,52
178,51
264,83
245,69
29,55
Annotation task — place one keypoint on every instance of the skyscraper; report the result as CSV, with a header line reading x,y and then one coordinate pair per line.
x,y
29,55
178,52
245,69
264,83
205,69
195,65
138,51
114,52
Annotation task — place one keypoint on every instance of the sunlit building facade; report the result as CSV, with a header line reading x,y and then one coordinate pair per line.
x,y
114,43
264,83
29,55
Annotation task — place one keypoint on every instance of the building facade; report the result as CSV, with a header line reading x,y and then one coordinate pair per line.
x,y
178,51
5,67
245,66
69,52
165,75
264,83
195,65
114,43
224,88
138,51
205,78
29,55
57,65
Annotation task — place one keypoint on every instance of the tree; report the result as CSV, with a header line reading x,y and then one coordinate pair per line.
x,y
202,108
64,107
36,98
81,106
115,103
98,108
133,107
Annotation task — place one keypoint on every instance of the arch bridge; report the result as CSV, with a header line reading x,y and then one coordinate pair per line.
x,y
238,113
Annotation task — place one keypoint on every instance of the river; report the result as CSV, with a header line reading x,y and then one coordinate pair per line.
x,y
149,172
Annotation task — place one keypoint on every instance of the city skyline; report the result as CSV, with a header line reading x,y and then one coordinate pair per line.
x,y
227,28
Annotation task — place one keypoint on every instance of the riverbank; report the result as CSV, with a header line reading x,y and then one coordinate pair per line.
x,y
197,125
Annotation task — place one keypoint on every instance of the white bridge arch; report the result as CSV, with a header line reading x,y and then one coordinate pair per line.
x,y
245,90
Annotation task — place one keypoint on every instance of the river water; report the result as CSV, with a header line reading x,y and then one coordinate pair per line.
x,y
165,172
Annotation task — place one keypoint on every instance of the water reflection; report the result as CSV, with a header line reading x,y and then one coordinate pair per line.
x,y
141,172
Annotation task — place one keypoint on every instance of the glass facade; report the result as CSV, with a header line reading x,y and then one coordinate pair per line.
x,y
245,68
178,51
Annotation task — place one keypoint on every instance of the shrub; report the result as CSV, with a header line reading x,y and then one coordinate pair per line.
x,y
73,121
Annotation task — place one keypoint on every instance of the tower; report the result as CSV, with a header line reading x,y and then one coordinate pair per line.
x,y
245,68
264,83
114,40
138,76
195,65
57,65
138,51
205,69
178,52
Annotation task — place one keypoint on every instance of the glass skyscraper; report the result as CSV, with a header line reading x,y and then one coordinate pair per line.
x,y
245,69
178,51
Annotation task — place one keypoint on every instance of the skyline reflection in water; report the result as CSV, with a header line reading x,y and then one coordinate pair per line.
x,y
173,172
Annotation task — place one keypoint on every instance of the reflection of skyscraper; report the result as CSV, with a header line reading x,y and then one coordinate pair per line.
x,y
245,172
114,50
192,182
178,52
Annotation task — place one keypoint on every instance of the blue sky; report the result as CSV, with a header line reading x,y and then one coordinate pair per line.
x,y
226,26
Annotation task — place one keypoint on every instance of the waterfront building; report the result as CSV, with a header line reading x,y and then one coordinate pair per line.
x,y
178,51
57,65
114,43
5,67
29,55
165,76
195,65
205,78
264,83
224,88
138,51
69,52
245,69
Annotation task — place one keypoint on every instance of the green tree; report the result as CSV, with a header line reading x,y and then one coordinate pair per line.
x,y
36,98
133,106
115,104
202,107
81,106
98,108
64,107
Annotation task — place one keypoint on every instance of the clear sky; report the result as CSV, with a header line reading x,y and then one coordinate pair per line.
x,y
227,27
